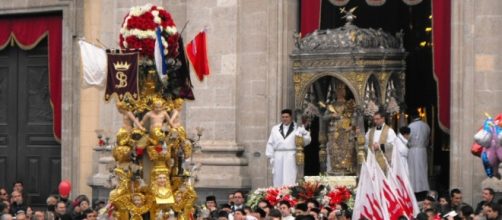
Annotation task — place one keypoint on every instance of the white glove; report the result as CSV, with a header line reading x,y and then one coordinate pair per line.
x,y
300,131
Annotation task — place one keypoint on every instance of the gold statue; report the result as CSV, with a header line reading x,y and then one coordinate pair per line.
x,y
185,197
341,144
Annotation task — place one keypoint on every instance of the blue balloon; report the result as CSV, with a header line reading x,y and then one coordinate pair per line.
x,y
486,164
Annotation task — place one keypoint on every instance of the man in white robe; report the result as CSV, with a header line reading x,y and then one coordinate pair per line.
x,y
401,147
281,149
380,139
417,156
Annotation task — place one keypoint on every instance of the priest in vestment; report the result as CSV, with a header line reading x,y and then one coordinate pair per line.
x,y
281,149
380,139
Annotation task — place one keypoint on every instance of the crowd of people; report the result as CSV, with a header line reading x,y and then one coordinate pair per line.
x,y
15,204
448,206
452,206
235,209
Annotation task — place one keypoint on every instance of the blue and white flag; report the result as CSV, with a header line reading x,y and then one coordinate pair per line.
x,y
160,58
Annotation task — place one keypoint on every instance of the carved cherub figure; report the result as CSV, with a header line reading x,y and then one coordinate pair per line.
x,y
157,116
176,113
128,119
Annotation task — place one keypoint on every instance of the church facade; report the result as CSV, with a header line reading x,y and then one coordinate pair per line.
x,y
249,45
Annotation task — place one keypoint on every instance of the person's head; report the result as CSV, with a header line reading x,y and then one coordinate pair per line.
x,y
39,215
3,208
29,212
488,194
211,202
17,197
60,208
52,200
325,210
239,214
492,210
6,216
379,118
222,215
7,206
226,207
4,195
286,116
238,198
466,211
275,214
259,213
90,214
247,210
444,200
431,213
405,131
285,208
456,197
21,215
341,206
314,212
18,186
304,217
312,203
265,205
301,209
231,199
428,203
346,215
84,204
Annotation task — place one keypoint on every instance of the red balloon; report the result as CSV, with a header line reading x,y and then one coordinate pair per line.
x,y
476,149
64,188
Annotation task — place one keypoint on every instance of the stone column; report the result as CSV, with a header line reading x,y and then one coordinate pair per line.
x,y
224,169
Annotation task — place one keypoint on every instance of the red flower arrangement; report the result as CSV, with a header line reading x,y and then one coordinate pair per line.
x,y
139,31
328,196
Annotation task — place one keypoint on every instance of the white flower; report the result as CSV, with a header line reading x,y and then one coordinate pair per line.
x,y
157,20
124,43
165,51
155,13
171,30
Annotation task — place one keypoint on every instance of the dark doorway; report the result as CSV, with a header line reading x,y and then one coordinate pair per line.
x,y
421,90
28,150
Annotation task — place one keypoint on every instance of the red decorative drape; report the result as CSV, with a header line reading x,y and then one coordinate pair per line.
x,y
27,32
310,16
441,41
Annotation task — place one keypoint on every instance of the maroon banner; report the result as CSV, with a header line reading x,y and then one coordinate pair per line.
x,y
441,41
310,16
122,76
27,32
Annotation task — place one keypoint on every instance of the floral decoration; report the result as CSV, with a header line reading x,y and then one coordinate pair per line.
x,y
326,195
138,30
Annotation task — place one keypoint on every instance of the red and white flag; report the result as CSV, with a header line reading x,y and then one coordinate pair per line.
x,y
390,203
197,54
368,203
399,178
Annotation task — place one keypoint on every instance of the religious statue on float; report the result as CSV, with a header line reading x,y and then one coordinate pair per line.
x,y
343,135
152,146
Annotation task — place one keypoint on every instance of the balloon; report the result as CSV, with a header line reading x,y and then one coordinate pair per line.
x,y
64,188
476,149
486,164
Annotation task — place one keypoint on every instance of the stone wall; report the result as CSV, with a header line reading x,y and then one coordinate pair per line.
x,y
476,86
